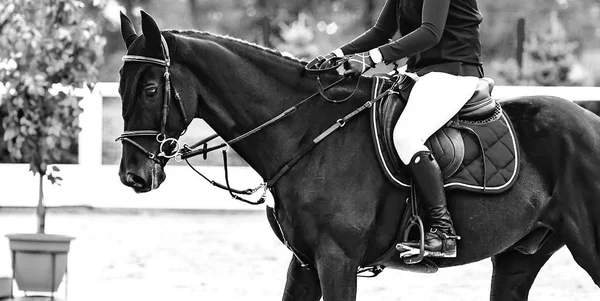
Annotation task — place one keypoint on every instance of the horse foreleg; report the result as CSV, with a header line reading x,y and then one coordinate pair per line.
x,y
302,283
514,272
583,241
337,274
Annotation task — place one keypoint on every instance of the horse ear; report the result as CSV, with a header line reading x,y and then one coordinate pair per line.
x,y
127,30
151,32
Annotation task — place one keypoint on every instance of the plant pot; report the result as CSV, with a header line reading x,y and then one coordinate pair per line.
x,y
5,287
39,260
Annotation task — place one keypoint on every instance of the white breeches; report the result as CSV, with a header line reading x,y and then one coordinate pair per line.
x,y
435,98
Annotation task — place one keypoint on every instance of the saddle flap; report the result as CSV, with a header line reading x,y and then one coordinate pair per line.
x,y
448,149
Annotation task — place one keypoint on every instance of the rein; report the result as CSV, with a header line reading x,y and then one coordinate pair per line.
x,y
191,151
329,65
194,150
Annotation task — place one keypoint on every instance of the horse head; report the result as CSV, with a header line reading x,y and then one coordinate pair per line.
x,y
156,93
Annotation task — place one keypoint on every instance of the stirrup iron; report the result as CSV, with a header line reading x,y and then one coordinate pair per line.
x,y
408,254
412,255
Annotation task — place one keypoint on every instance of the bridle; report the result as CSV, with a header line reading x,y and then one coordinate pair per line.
x,y
172,144
176,149
184,152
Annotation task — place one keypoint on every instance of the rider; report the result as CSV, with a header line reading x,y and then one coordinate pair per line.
x,y
440,38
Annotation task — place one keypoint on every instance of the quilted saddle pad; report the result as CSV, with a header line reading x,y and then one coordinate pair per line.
x,y
475,155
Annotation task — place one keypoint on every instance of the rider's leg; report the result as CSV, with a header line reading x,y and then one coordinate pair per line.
x,y
435,99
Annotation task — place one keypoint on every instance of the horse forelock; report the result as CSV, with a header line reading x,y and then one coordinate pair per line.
x,y
130,75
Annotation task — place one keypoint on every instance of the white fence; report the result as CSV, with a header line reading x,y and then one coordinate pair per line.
x,y
92,184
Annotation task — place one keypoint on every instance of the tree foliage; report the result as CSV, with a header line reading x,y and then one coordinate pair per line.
x,y
48,48
549,59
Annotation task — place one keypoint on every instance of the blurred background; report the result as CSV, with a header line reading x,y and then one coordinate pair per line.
x,y
562,33
188,240
531,43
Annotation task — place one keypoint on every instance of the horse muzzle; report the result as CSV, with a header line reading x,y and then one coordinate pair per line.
x,y
143,180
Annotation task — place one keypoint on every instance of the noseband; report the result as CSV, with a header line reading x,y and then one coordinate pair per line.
x,y
161,136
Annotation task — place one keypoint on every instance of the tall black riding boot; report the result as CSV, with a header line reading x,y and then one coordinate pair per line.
x,y
440,240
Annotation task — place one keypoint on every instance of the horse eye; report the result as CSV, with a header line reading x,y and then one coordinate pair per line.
x,y
150,92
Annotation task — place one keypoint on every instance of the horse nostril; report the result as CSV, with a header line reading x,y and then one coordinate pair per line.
x,y
135,180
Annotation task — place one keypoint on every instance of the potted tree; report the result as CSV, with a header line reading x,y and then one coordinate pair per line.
x,y
48,48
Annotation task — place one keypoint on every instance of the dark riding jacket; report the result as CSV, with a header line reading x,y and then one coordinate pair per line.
x,y
436,35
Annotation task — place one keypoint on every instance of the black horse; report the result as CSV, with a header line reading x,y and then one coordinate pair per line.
x,y
335,208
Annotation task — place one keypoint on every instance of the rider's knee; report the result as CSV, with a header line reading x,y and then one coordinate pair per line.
x,y
407,145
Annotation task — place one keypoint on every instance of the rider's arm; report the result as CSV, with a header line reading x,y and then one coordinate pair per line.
x,y
383,30
435,13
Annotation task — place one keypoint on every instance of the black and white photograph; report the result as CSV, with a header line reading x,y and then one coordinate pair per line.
x,y
336,150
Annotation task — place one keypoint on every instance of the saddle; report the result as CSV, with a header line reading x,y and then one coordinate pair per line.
x,y
477,151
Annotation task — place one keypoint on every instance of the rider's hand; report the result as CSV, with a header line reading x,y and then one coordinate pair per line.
x,y
358,64
323,61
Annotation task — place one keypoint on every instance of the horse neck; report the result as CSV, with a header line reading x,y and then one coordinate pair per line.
x,y
249,86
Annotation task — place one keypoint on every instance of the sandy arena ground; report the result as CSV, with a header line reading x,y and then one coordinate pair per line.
x,y
154,256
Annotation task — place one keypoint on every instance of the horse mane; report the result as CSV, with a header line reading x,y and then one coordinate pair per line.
x,y
196,34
